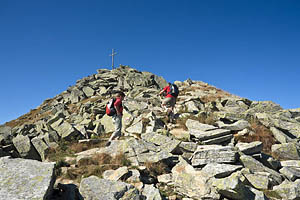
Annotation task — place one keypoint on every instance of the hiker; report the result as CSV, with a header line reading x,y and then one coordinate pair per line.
x,y
170,92
117,116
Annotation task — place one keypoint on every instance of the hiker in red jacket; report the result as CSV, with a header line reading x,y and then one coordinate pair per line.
x,y
170,92
117,117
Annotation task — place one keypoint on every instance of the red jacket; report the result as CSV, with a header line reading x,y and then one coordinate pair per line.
x,y
118,105
167,89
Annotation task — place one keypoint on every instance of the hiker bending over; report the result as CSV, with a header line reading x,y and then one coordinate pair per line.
x,y
170,92
117,116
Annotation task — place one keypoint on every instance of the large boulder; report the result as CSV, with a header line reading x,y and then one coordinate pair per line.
x,y
255,166
25,148
232,187
65,130
102,189
191,182
288,190
286,151
5,135
213,154
25,179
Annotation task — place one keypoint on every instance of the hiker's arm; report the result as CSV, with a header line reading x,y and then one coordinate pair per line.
x,y
162,91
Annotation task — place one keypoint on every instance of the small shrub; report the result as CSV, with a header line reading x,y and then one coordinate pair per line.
x,y
261,133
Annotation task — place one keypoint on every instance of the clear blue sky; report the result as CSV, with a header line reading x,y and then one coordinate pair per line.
x,y
250,48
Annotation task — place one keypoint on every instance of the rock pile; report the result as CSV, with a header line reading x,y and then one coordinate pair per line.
x,y
221,147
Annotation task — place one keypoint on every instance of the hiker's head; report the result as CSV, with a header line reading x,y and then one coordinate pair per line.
x,y
120,94
169,83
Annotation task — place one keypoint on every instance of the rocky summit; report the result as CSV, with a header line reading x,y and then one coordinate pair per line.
x,y
220,146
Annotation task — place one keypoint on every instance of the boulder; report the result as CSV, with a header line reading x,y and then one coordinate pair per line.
x,y
25,179
220,170
213,154
286,151
191,182
232,187
250,148
41,147
288,190
101,189
88,91
291,173
25,148
5,135
236,126
151,192
65,130
255,166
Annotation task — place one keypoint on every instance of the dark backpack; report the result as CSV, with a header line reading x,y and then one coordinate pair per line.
x,y
174,90
110,109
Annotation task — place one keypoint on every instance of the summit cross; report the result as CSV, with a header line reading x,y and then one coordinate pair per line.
x,y
112,58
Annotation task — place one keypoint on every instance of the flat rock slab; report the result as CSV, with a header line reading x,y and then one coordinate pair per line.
x,y
25,179
213,154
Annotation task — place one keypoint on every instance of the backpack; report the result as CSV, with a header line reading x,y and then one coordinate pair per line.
x,y
174,90
110,109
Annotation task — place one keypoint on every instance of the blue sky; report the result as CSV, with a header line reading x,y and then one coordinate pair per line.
x,y
249,48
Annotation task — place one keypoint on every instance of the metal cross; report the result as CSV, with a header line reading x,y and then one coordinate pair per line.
x,y
112,58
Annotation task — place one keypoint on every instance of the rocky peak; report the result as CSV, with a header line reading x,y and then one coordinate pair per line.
x,y
220,146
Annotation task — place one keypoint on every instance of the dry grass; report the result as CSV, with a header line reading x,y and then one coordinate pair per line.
x,y
261,133
156,169
69,148
96,165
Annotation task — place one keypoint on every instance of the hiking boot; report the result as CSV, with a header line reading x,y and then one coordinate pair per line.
x,y
107,144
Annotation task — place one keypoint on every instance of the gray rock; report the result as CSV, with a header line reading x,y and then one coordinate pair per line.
x,y
288,190
259,180
220,170
236,126
165,178
25,179
290,172
41,147
136,127
188,146
166,143
280,136
290,163
191,182
151,193
65,130
88,91
195,126
218,140
101,189
206,135
233,188
5,135
250,148
117,174
255,166
263,106
286,151
107,123
25,148
213,154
